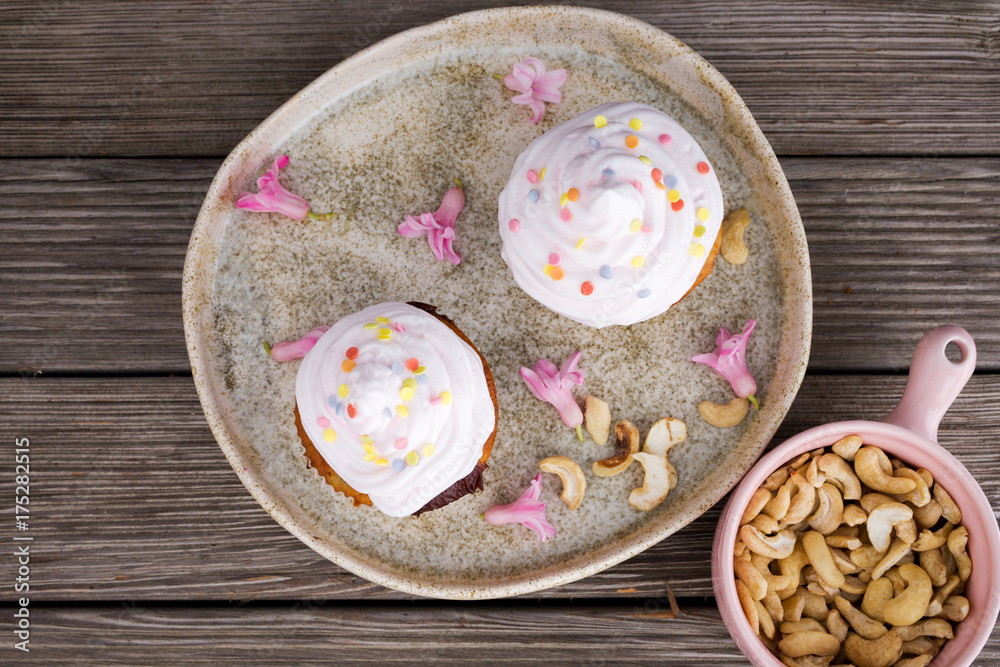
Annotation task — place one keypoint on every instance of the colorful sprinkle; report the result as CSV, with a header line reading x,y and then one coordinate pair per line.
x,y
382,320
703,168
410,382
352,353
638,186
370,325
541,174
367,439
514,225
371,457
352,411
635,226
702,213
385,332
429,449
419,370
547,269
397,368
331,401
671,181
600,121
340,409
656,174
631,141
406,393
342,391
387,412
412,458
554,258
665,139
446,397
329,435
398,465
573,194
402,411
421,380
579,243
347,365
660,185
673,195
699,231
643,293
677,205
533,195
635,124
646,229
566,214
556,273
398,327
412,364
587,288
607,272
563,198
645,160
638,261
532,176
696,249
593,142
401,443
608,172
323,422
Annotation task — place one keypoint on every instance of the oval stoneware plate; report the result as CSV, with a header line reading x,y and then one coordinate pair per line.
x,y
381,136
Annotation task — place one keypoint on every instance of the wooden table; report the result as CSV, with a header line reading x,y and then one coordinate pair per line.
x,y
146,548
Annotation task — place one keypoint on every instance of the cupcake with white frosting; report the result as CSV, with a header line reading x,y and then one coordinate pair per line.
x,y
611,217
396,408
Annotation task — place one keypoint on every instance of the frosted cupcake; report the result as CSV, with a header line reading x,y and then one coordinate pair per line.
x,y
611,217
395,408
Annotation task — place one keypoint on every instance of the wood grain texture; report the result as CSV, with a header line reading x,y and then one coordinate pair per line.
x,y
132,498
191,78
92,277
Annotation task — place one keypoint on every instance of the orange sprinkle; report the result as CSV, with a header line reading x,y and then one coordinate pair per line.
x,y
556,273
702,167
587,288
352,353
659,185
347,365
631,141
412,364
573,194
351,410
677,205
657,174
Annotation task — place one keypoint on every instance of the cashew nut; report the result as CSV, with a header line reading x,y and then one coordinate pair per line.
x,y
915,661
866,556
809,642
765,524
772,604
775,480
815,606
836,625
847,447
773,546
724,416
854,586
921,646
879,592
957,541
933,540
627,444
949,510
597,419
880,652
844,542
920,495
867,627
929,627
881,521
897,550
909,606
955,608
942,594
777,507
765,620
839,472
806,660
756,504
732,247
663,435
793,607
655,485
873,468
854,515
928,515
814,475
802,503
870,501
573,481
935,568
749,608
843,562
830,512
802,625
821,559
907,531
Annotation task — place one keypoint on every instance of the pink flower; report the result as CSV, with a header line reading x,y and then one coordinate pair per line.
x,y
554,385
527,510
273,197
296,349
535,85
729,360
438,227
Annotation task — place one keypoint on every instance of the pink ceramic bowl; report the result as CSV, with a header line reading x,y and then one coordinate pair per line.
x,y
908,433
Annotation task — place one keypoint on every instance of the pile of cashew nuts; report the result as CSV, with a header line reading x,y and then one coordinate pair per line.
x,y
850,557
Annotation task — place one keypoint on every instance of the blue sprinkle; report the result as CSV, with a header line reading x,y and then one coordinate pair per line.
x,y
593,142
396,368
398,465
422,379
670,181
340,409
388,413
331,401
644,293
607,272
533,195
610,173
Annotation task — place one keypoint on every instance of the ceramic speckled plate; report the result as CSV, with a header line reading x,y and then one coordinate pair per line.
x,y
382,135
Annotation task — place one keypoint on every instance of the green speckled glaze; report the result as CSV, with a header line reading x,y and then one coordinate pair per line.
x,y
383,135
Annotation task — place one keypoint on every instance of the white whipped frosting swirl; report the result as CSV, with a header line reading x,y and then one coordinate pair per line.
x,y
610,217
397,403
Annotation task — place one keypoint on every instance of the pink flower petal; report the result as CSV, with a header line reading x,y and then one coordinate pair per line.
x,y
553,385
296,349
535,85
729,360
438,227
527,510
272,196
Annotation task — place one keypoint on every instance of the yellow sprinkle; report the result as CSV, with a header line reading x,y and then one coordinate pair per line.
x,y
368,448
446,397
420,370
371,457
645,159
342,391
548,269
696,249
370,325
541,174
702,213
638,261
402,411
563,198
429,449
699,231
580,243
600,121
406,393
635,124
329,435
636,225
367,439
410,383
412,458
381,462
382,320
673,195
384,332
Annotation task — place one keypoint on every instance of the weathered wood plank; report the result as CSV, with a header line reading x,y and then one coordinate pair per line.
x,y
132,498
93,252
186,77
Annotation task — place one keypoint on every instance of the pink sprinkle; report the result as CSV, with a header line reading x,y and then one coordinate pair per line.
x,y
554,259
638,186
665,139
399,327
566,215
401,443
514,224
323,422
435,400
647,229
532,176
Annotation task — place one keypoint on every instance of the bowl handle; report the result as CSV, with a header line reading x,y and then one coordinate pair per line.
x,y
934,381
